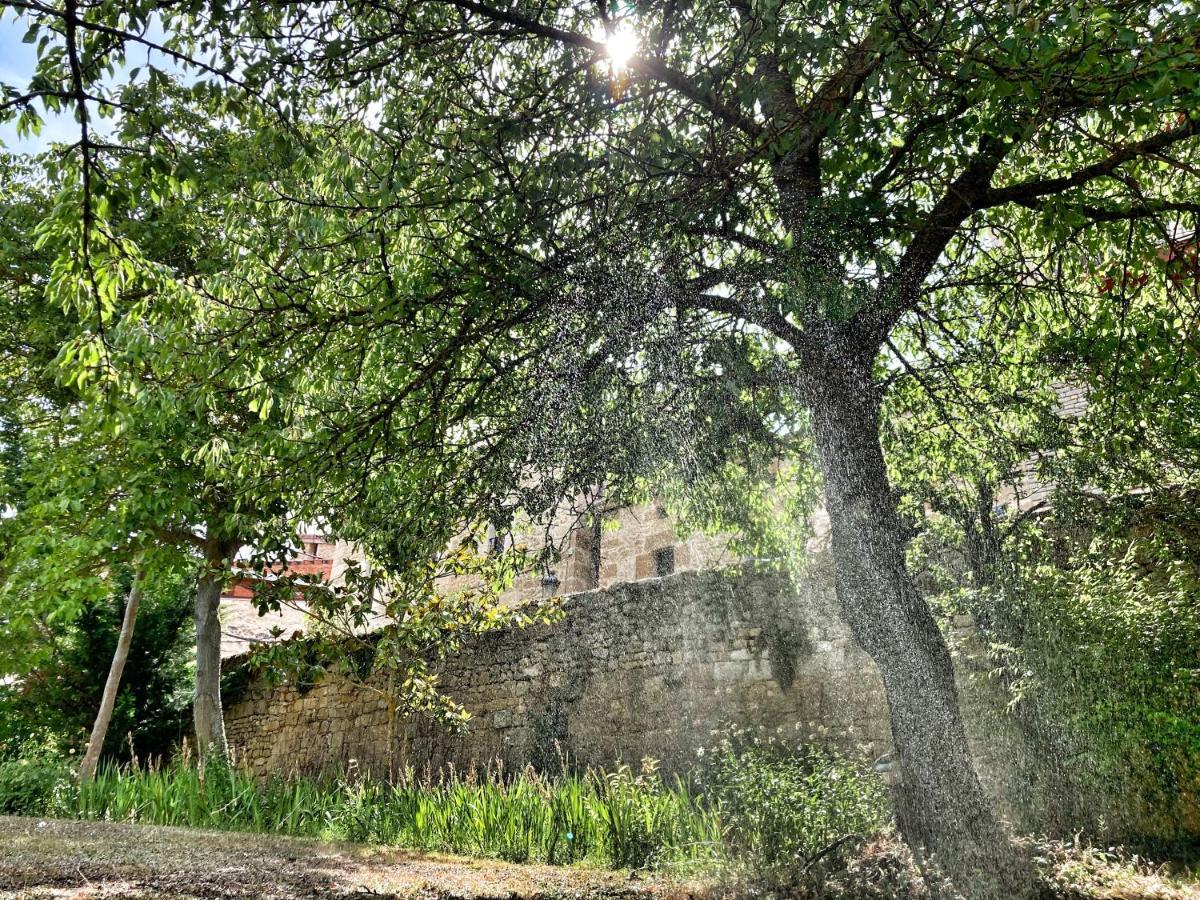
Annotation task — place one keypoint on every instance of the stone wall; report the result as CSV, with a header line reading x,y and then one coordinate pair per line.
x,y
627,548
633,537
652,668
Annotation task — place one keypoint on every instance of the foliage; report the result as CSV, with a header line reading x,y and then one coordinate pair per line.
x,y
680,231
59,696
34,779
170,441
1138,357
784,807
30,332
757,815
378,623
1096,632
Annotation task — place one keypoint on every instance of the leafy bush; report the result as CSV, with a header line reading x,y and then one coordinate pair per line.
x,y
55,698
1098,644
783,808
34,786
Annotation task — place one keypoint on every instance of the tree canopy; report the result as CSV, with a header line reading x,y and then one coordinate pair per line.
x,y
504,263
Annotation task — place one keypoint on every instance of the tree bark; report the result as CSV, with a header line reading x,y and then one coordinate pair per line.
x,y
208,715
91,757
982,535
942,810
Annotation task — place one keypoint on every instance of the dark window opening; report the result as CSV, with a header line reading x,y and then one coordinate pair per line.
x,y
597,536
664,561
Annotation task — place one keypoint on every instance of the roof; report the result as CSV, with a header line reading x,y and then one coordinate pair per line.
x,y
242,587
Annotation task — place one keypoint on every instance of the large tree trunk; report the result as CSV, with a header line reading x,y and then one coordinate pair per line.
x,y
91,757
942,810
208,716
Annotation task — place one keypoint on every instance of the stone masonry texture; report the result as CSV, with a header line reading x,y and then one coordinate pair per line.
x,y
649,669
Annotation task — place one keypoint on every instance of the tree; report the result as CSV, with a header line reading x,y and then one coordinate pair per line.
x,y
800,185
91,757
56,662
193,425
155,439
824,174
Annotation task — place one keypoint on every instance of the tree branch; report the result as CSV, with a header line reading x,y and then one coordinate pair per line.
x,y
1025,193
652,68
899,291
770,320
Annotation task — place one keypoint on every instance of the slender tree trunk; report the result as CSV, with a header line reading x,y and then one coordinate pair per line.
x,y
208,716
982,535
91,758
942,811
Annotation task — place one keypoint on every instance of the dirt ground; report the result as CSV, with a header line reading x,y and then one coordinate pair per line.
x,y
51,858
48,858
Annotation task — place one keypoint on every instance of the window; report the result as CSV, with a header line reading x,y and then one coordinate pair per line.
x,y
597,536
664,561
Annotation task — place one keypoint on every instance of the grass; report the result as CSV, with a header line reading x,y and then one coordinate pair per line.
x,y
1075,871
619,819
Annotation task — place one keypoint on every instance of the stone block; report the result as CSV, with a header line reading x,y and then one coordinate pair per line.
x,y
729,670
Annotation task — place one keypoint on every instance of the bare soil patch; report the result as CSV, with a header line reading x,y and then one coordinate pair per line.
x,y
49,858
53,858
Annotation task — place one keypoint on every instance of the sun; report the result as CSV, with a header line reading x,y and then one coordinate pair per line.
x,y
620,44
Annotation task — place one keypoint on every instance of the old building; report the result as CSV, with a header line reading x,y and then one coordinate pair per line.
x,y
667,638
619,545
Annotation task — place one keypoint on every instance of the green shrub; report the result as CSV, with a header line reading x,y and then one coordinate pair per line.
x,y
34,786
57,692
783,807
1098,645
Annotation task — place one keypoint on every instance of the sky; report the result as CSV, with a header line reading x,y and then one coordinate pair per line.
x,y
16,65
17,62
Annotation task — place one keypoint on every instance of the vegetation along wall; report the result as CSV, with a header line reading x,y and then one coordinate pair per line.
x,y
655,668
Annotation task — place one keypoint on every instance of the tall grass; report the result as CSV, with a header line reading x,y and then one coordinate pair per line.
x,y
760,809
617,818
